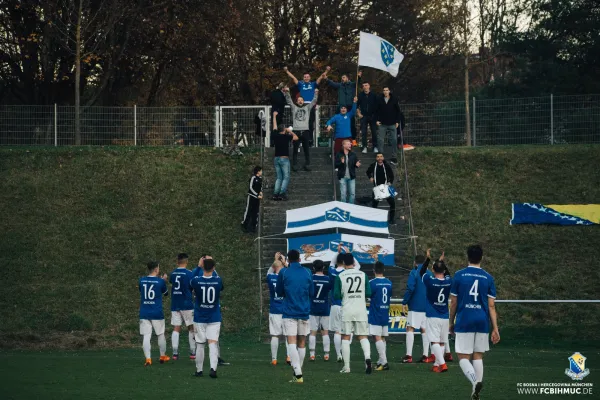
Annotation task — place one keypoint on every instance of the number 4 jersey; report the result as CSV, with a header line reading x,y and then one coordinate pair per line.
x,y
207,307
352,287
472,287
152,289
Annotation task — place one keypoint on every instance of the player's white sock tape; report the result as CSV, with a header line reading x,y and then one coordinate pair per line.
x,y
425,343
301,355
468,370
380,345
478,367
326,344
175,342
385,352
437,351
312,344
410,341
287,348
199,356
146,345
447,345
366,348
162,344
295,359
213,354
337,343
274,347
346,353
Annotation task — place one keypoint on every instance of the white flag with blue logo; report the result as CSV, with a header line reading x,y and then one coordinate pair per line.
x,y
376,52
336,214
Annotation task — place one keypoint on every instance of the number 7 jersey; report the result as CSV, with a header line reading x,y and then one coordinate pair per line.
x,y
472,287
352,287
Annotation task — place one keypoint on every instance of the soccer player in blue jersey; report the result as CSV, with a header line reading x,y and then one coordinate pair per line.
x,y
319,311
152,288
436,310
415,298
182,305
473,296
379,313
207,316
275,306
295,285
335,313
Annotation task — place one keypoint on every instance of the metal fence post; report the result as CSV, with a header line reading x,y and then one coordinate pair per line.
x,y
135,124
317,126
474,122
551,118
55,125
217,128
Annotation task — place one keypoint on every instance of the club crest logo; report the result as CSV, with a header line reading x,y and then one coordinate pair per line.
x,y
346,246
337,215
577,370
387,53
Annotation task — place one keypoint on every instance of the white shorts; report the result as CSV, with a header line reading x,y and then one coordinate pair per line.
x,y
182,316
275,324
378,330
318,322
359,328
335,319
295,327
206,331
146,326
437,330
471,342
416,319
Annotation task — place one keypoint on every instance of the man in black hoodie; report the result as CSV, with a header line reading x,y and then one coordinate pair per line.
x,y
253,203
382,173
388,119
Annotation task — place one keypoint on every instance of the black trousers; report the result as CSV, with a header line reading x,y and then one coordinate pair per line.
x,y
304,138
392,213
251,213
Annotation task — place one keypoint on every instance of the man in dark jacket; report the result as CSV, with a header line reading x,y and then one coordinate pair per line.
x,y
277,105
253,203
346,164
346,93
388,118
382,173
367,107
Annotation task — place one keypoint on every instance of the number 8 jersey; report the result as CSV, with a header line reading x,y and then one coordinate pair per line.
x,y
207,306
352,286
472,287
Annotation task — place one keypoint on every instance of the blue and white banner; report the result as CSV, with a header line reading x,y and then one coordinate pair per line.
x,y
336,214
366,250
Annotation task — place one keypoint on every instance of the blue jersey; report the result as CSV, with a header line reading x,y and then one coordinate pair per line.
x,y
198,271
181,293
295,285
333,273
472,287
307,90
207,307
319,305
438,293
275,302
379,307
415,295
152,289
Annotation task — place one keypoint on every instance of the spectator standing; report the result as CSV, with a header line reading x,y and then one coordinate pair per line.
x,y
300,119
388,118
277,105
307,88
253,202
366,109
346,163
346,93
342,126
382,173
281,139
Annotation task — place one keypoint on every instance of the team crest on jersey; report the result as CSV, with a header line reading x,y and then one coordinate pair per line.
x,y
387,53
337,214
577,370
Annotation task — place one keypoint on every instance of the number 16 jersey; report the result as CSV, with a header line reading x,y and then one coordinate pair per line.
x,y
352,286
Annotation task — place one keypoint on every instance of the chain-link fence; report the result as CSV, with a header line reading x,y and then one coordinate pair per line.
x,y
534,120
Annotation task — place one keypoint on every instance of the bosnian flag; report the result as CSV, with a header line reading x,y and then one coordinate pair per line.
x,y
376,52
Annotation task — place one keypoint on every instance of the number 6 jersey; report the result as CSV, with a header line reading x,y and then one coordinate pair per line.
x,y
352,287
207,306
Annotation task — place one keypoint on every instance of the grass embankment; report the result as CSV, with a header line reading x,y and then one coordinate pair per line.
x,y
79,225
463,196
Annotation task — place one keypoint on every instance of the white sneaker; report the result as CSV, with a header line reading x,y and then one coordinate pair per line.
x,y
375,150
364,150
345,370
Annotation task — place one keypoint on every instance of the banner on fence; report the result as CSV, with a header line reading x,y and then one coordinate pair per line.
x,y
336,214
366,250
555,214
